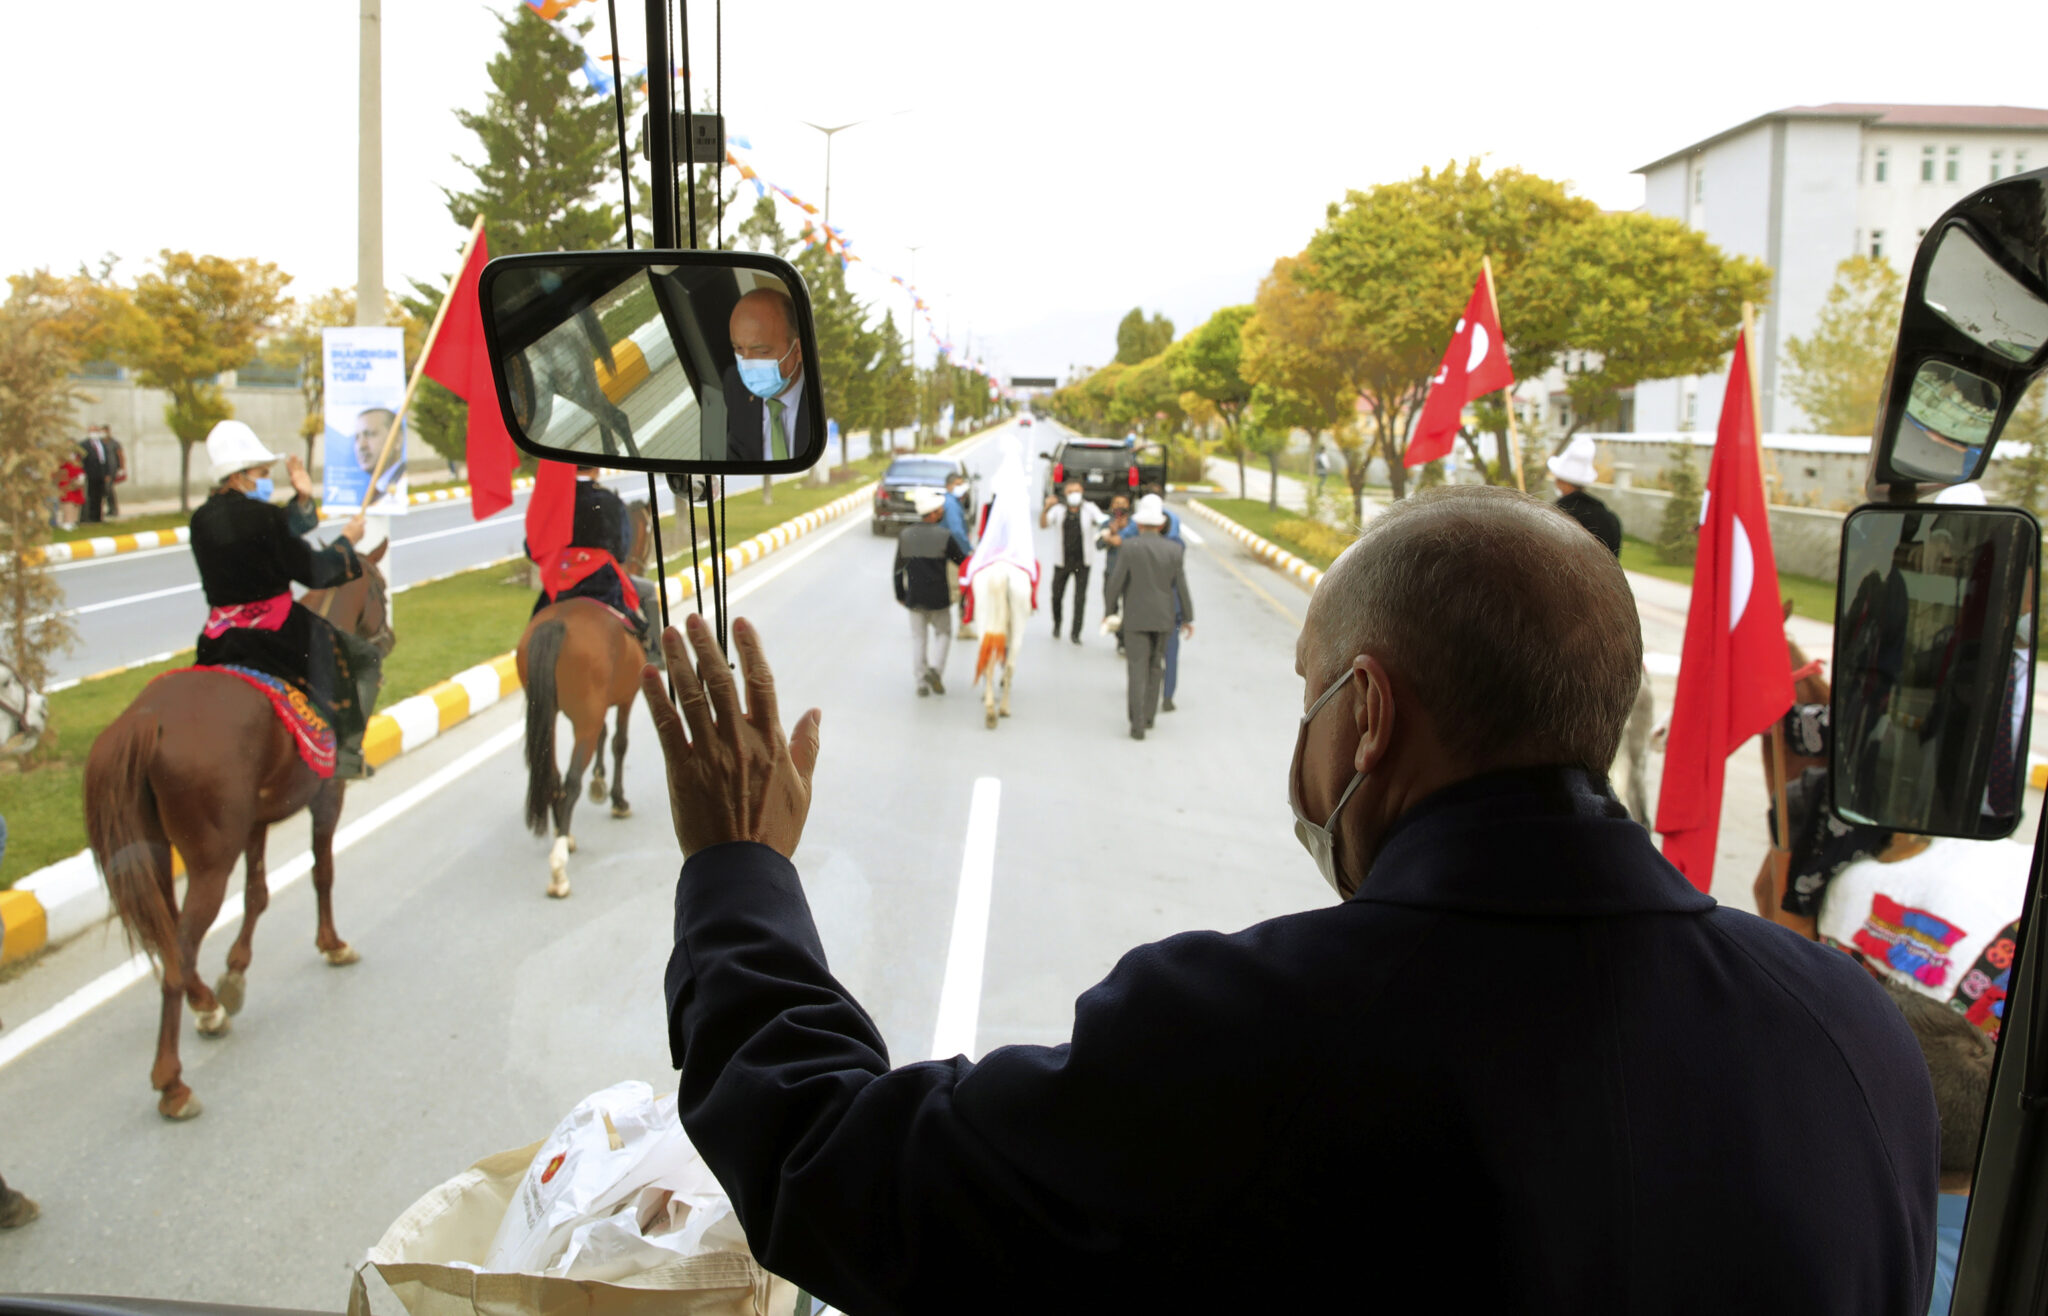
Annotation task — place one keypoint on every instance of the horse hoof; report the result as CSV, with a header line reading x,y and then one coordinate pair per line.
x,y
571,843
180,1108
230,990
342,956
1006,712
622,811
558,867
990,720
558,886
597,790
212,1023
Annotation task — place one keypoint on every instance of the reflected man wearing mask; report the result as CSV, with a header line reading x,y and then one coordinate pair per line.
x,y
1521,1064
764,389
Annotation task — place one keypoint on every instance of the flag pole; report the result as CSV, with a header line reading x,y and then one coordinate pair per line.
x,y
1781,835
1508,398
426,350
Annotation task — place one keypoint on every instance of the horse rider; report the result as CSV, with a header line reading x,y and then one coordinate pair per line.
x,y
1572,472
249,552
593,564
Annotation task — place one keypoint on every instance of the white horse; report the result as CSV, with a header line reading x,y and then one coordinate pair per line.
x,y
1002,604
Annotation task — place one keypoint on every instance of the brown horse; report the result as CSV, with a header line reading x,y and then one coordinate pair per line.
x,y
201,763
577,659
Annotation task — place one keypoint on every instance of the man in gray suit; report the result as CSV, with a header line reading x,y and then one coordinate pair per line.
x,y
1150,575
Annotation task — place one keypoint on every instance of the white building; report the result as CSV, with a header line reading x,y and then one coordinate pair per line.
x,y
1805,188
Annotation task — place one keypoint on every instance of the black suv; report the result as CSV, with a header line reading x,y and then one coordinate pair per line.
x,y
1106,467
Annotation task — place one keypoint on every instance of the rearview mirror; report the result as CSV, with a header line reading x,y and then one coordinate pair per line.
x,y
1972,334
681,362
1934,668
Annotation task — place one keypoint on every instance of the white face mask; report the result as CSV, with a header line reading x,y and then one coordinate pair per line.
x,y
1073,500
1319,841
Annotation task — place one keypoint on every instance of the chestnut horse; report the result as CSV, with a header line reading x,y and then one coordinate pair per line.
x,y
577,659
201,763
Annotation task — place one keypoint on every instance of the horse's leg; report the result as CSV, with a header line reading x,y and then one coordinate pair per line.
x,y
597,786
204,891
255,899
175,1101
565,808
620,809
326,811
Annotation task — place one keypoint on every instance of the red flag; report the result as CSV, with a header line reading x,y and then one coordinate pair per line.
x,y
551,511
460,363
1475,364
1735,677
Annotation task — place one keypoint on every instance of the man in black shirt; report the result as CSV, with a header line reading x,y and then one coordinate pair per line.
x,y
1573,471
249,552
923,552
1080,523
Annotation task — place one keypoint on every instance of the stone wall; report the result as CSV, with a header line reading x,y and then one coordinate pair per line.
x,y
136,416
1806,541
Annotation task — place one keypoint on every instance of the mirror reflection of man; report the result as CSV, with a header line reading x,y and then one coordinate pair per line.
x,y
764,388
371,427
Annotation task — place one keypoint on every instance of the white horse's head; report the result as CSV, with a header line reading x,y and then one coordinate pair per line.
x,y
23,713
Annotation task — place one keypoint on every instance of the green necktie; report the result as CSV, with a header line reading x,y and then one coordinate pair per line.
x,y
779,447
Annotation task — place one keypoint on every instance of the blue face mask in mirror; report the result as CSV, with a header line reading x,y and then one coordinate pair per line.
x,y
764,379
264,488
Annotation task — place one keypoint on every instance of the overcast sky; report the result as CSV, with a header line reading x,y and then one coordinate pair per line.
x,y
1058,163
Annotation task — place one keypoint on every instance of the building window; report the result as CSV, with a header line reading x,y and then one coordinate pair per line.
x,y
1926,164
2019,162
1877,244
1699,184
1954,172
1997,164
1881,164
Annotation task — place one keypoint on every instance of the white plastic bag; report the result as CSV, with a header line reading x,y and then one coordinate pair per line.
x,y
616,1188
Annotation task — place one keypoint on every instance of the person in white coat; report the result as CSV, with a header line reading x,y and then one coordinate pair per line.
x,y
1078,523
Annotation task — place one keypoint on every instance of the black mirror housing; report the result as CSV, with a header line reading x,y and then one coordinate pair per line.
x,y
672,362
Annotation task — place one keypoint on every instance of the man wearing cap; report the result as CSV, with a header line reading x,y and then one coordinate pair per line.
x,y
249,551
1149,591
1573,471
924,551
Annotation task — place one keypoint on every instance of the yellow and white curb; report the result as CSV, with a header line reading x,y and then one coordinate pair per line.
x,y
54,904
1271,552
80,550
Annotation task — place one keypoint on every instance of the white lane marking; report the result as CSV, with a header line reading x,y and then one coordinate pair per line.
x,y
102,606
18,1040
1187,532
960,993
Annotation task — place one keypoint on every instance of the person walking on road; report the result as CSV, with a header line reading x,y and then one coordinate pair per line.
x,y
1080,527
1172,532
928,559
956,526
1149,592
1573,471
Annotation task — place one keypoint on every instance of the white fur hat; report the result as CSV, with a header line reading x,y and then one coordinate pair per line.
x,y
926,501
1151,510
232,446
1576,465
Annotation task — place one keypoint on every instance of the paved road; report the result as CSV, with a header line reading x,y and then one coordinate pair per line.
x,y
482,1010
138,605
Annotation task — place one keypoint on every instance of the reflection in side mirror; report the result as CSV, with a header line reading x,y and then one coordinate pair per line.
x,y
681,362
1977,295
1934,669
1950,414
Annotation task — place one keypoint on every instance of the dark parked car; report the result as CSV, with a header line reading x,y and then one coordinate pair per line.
x,y
892,495
1106,467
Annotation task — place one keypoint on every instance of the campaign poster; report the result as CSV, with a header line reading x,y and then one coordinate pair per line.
x,y
365,384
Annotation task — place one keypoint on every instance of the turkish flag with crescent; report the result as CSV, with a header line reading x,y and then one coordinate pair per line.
x,y
1475,364
460,363
1735,676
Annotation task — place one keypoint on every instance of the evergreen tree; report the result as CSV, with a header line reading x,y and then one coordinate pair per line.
x,y
1138,338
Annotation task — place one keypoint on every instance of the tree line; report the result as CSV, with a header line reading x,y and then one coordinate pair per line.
x,y
1342,337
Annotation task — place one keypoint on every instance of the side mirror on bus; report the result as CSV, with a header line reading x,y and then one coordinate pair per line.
x,y
1972,335
675,362
1934,668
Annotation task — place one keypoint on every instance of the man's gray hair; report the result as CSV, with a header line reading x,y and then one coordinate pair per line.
x,y
1515,628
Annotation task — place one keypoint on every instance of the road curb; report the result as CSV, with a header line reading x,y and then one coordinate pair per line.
x,y
1279,558
57,902
80,550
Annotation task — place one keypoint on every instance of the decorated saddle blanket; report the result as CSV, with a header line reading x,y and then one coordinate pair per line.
x,y
312,733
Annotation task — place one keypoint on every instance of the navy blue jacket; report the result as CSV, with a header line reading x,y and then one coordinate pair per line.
x,y
1527,1068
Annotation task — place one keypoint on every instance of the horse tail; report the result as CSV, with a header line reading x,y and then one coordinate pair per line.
x,y
995,650
119,807
993,610
543,778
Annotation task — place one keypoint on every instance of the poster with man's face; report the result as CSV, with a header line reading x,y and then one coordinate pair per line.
x,y
365,384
